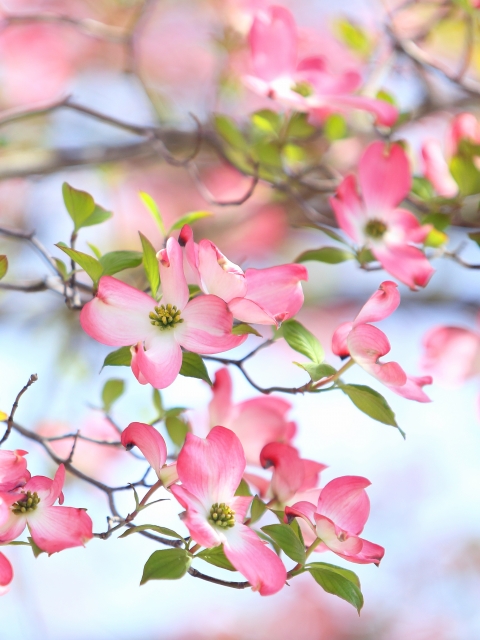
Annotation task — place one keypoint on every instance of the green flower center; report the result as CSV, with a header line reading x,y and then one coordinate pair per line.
x,y
165,316
375,228
222,516
303,88
26,504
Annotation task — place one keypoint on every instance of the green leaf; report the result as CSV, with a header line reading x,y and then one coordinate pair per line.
x,y
317,371
441,221
228,130
3,266
217,557
466,175
257,509
35,548
299,127
152,208
90,265
333,580
386,97
243,328
194,367
157,401
475,236
346,573
80,204
335,127
164,531
422,188
303,341
120,358
62,268
267,121
287,540
116,261
243,489
354,37
268,153
189,218
330,233
112,390
150,264
177,430
330,255
166,564
370,402
98,216
96,251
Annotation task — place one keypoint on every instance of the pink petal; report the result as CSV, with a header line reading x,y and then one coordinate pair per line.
x,y
260,484
118,315
196,518
48,490
251,312
221,404
57,528
273,43
380,305
134,363
386,114
339,339
190,262
412,389
384,175
302,509
220,277
345,502
452,354
464,127
207,327
367,344
349,210
160,364
436,169
169,474
407,264
6,574
277,289
312,471
240,504
404,227
174,284
336,540
259,564
11,525
149,441
289,473
211,468
13,469
369,553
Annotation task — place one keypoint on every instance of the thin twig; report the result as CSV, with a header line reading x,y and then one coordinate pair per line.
x,y
33,378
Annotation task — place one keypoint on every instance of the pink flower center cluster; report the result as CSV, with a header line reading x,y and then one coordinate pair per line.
x,y
165,316
28,503
221,515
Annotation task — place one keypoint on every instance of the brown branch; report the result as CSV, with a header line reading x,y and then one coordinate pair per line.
x,y
224,583
33,378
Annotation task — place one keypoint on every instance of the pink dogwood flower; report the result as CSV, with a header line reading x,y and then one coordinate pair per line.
x,y
120,315
366,344
210,471
53,528
13,469
375,222
153,447
339,518
310,84
256,421
260,296
451,354
6,574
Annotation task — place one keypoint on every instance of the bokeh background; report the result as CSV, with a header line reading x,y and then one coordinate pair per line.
x,y
187,56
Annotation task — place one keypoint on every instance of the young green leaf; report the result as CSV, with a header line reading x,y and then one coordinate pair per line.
x,y
335,127
475,236
243,489
299,127
157,401
228,130
166,564
189,218
317,371
80,204
217,557
303,341
95,250
152,208
335,582
194,367
177,430
257,509
150,264
287,540
370,402
61,268
330,255
120,358
243,328
112,390
267,121
98,216
116,261
35,548
164,531
90,265
3,266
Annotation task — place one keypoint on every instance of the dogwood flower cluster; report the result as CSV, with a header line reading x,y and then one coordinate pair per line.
x,y
27,501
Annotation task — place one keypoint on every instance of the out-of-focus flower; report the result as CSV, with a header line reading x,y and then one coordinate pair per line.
x,y
210,471
153,447
436,169
366,344
338,519
256,421
451,354
310,84
6,574
261,296
375,222
13,469
120,315
53,528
